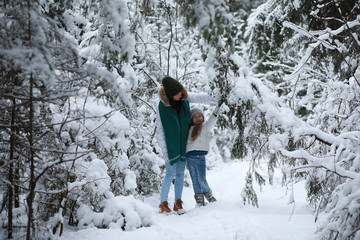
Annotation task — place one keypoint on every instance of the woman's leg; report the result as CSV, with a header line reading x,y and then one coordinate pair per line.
x,y
179,178
169,176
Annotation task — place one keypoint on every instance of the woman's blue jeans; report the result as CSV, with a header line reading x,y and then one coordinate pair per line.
x,y
177,171
197,169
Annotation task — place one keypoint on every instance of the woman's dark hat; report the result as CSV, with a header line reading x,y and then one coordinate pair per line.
x,y
171,86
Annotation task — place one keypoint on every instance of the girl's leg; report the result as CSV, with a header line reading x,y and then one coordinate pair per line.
x,y
169,176
191,162
201,167
179,178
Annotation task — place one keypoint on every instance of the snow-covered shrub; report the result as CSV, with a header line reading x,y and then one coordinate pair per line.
x,y
99,207
123,212
147,170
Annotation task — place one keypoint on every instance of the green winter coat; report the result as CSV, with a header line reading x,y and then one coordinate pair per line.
x,y
175,129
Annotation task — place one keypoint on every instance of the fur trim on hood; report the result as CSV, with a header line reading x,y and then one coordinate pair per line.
x,y
163,97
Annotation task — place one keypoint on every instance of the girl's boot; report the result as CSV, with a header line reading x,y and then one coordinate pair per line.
x,y
199,198
210,197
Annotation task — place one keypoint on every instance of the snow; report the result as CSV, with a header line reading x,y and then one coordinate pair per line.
x,y
227,218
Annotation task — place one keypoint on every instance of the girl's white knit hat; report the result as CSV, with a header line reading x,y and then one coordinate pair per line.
x,y
196,110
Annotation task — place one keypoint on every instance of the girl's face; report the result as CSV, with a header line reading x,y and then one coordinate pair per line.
x,y
197,118
178,96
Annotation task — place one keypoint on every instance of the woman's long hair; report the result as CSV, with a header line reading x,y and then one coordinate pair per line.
x,y
177,105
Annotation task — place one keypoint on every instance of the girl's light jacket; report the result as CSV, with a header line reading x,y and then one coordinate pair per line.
x,y
202,142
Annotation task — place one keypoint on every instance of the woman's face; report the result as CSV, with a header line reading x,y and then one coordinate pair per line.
x,y
178,96
197,118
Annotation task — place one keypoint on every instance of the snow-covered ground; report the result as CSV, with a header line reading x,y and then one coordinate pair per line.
x,y
226,219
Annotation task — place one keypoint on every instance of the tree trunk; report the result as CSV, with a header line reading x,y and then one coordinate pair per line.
x,y
17,184
10,177
10,201
16,171
32,182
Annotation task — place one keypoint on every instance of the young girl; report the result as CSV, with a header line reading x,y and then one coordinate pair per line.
x,y
196,149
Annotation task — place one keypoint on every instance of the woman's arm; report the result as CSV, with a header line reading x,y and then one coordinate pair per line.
x,y
160,134
201,98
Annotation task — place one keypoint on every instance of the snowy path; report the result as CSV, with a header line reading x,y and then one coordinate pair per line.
x,y
227,219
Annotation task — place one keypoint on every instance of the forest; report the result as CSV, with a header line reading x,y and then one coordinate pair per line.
x,y
79,92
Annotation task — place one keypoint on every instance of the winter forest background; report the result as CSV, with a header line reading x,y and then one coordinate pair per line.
x,y
79,82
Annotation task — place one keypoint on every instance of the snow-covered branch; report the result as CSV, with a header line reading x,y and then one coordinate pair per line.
x,y
325,38
318,162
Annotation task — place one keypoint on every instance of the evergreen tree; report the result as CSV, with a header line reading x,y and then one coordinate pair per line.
x,y
325,42
37,66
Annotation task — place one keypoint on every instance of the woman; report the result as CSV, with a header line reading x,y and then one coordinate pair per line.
x,y
173,118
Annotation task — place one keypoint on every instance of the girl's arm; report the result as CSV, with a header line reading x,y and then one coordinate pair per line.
x,y
212,119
